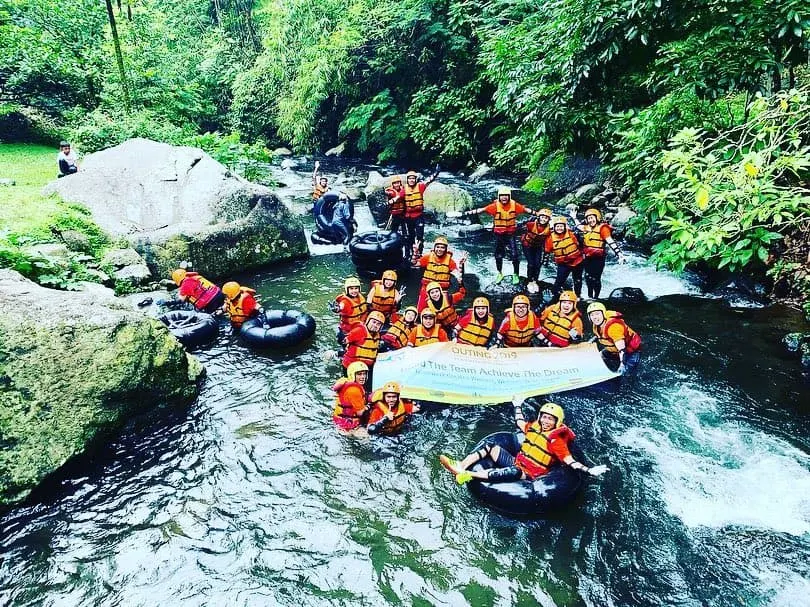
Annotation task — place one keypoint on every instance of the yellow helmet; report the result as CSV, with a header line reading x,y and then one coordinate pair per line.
x,y
428,313
521,299
432,285
594,212
440,240
411,309
351,281
597,307
395,179
391,387
504,191
568,296
231,289
559,219
178,275
376,315
353,369
411,174
546,212
390,275
480,302
555,410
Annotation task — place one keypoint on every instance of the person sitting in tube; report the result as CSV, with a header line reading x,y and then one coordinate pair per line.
x,y
545,445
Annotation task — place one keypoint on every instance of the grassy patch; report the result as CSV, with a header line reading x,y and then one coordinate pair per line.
x,y
27,217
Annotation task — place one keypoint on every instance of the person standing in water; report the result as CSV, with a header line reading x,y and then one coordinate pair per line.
x,y
597,236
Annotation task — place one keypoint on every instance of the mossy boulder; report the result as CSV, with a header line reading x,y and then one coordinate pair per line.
x,y
441,198
74,367
176,203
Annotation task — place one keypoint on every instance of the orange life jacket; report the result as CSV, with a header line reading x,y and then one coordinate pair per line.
x,y
414,201
319,191
379,409
534,457
535,234
516,337
397,201
473,332
236,311
343,407
505,217
383,300
365,351
356,314
593,244
566,248
202,291
632,340
423,338
555,326
438,270
446,314
397,334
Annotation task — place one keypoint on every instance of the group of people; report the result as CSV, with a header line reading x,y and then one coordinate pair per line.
x,y
238,302
376,321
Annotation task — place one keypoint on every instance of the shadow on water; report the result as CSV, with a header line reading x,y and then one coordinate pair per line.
x,y
249,497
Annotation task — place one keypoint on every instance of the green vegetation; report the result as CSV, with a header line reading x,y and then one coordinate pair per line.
x,y
661,90
28,218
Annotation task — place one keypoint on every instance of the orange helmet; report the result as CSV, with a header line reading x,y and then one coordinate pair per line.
x,y
231,289
376,315
568,296
440,240
178,275
481,302
521,299
391,387
390,275
595,213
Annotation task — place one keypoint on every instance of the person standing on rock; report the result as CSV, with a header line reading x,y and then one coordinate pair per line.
x,y
533,242
320,183
504,210
200,292
597,235
567,255
396,208
415,207
66,160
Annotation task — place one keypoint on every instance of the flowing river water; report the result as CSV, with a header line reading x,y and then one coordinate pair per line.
x,y
249,496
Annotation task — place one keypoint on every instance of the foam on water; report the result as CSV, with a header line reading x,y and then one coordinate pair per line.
x,y
714,473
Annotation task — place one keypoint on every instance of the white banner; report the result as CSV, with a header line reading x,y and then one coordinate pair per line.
x,y
471,375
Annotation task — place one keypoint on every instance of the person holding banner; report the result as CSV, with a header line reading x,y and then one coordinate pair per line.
x,y
561,323
443,304
388,411
545,445
476,327
615,337
427,332
350,398
396,336
519,326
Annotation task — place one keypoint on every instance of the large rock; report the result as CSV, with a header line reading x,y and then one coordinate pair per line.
x,y
441,198
174,203
75,366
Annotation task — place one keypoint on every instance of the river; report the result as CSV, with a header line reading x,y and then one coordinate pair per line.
x,y
249,496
